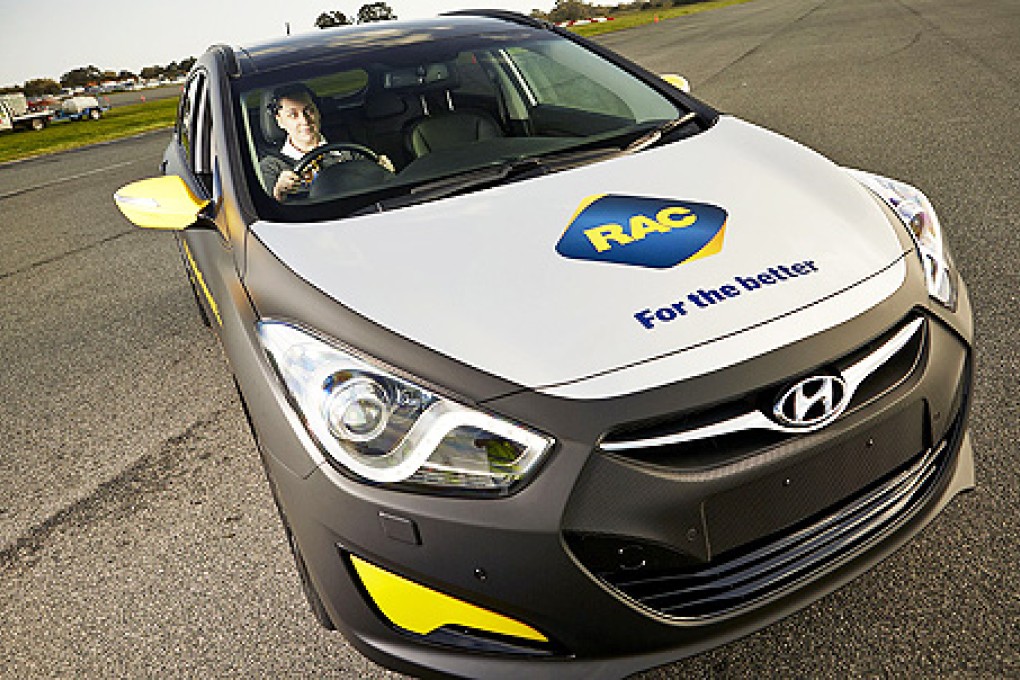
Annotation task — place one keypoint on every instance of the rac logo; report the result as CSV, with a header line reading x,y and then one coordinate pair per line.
x,y
643,232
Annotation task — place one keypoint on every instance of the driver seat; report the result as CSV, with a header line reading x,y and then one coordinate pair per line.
x,y
451,129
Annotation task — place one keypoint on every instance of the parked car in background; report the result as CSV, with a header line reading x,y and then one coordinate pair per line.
x,y
590,377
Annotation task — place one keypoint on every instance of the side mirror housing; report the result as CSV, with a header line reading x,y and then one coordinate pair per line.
x,y
160,203
677,81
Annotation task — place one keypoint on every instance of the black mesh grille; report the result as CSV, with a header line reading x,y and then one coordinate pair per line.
x,y
677,586
748,576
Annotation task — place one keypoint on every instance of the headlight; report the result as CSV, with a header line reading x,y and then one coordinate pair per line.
x,y
916,212
387,430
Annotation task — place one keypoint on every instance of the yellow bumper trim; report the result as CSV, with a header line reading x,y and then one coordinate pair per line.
x,y
422,610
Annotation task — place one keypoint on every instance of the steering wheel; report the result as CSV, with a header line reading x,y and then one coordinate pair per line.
x,y
307,159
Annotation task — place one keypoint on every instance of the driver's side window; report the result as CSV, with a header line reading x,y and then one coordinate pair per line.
x,y
194,128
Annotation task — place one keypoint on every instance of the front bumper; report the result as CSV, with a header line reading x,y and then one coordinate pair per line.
x,y
767,535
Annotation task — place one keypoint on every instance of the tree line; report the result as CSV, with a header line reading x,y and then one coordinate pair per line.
x,y
373,11
572,10
91,76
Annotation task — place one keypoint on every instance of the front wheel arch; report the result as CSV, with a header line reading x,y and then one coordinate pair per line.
x,y
307,587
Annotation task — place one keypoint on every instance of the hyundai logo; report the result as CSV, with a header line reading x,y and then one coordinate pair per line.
x,y
812,402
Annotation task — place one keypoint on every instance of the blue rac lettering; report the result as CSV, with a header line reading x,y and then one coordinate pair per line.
x,y
706,297
644,232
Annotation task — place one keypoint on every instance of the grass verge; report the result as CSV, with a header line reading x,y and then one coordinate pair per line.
x,y
630,20
118,122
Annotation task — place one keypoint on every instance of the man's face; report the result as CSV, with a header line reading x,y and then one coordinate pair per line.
x,y
299,118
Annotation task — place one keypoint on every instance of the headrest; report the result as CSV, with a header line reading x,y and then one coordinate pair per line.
x,y
271,132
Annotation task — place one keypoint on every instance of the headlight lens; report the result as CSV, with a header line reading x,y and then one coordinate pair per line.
x,y
916,212
386,429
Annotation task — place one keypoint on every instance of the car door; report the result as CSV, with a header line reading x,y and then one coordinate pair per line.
x,y
205,247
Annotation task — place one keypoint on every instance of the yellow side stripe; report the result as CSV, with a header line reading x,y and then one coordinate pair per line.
x,y
201,283
422,610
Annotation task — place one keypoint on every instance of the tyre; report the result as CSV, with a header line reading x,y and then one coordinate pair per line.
x,y
38,123
95,114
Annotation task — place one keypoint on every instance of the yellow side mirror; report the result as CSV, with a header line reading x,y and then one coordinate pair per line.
x,y
159,203
677,81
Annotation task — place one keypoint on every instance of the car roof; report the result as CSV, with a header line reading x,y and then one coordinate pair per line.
x,y
341,41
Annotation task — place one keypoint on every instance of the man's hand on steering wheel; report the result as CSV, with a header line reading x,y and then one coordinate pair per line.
x,y
289,182
298,179
358,149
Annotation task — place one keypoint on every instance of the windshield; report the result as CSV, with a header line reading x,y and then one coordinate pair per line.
x,y
391,126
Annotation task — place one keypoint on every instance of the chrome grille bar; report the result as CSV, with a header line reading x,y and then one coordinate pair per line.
x,y
854,375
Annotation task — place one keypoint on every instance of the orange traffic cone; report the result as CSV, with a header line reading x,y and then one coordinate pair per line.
x,y
656,18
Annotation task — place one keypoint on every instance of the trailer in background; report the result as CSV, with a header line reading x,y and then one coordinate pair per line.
x,y
82,107
16,115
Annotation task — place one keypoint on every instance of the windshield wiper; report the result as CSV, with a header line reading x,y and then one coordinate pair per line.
x,y
492,175
458,183
471,179
514,169
658,132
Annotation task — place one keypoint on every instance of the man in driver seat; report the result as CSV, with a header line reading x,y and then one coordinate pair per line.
x,y
296,113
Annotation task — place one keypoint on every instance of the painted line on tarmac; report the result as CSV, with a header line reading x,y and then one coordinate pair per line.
x,y
62,180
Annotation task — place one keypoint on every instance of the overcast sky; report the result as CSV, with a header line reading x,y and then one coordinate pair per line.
x,y
47,38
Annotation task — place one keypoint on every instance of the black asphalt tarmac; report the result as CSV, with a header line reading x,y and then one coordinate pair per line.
x,y
137,535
